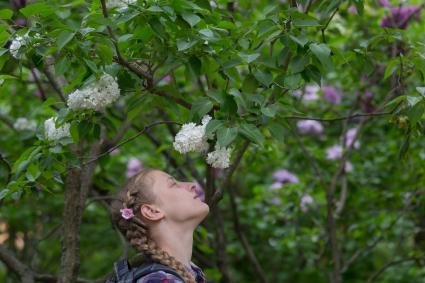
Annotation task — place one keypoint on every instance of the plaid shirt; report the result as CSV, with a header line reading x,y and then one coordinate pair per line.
x,y
163,277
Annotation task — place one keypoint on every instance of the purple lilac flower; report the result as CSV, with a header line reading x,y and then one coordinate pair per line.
x,y
127,213
17,4
350,136
21,22
400,16
276,185
306,201
310,127
334,152
199,191
352,9
311,93
331,95
167,79
284,176
384,3
134,166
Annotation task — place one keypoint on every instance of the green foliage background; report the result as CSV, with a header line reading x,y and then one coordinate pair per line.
x,y
240,62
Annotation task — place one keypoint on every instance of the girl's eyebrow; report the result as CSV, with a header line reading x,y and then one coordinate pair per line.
x,y
171,178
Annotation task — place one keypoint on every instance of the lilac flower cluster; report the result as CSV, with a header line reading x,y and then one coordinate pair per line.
x,y
283,176
134,166
335,152
310,127
310,93
400,16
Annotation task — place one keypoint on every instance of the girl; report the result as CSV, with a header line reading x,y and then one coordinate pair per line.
x,y
158,216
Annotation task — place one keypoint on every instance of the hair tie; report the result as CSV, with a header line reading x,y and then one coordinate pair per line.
x,y
127,213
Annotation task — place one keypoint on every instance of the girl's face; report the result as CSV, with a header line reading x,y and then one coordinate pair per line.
x,y
177,200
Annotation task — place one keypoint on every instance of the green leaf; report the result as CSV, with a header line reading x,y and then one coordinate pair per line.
x,y
213,125
248,58
200,107
74,132
6,14
298,63
302,20
158,28
271,110
207,34
226,135
301,40
61,66
323,53
392,66
313,73
6,77
92,66
396,100
25,158
216,95
413,100
293,81
195,65
63,38
40,8
421,90
263,77
184,44
265,26
190,18
277,131
105,53
249,84
252,132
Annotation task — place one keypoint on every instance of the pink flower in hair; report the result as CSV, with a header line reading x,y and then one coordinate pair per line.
x,y
127,213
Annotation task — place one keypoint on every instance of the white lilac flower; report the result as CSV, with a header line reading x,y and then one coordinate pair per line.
x,y
306,201
310,127
348,166
334,152
17,43
191,137
20,41
96,96
23,124
220,157
53,133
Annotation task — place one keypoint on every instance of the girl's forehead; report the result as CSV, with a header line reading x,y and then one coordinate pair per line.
x,y
161,177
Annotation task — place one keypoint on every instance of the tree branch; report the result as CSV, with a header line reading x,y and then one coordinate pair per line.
x,y
218,194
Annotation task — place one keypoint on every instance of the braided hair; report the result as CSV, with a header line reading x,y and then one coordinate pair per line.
x,y
133,194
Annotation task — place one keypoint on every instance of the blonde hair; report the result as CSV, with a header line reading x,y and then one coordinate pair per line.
x,y
133,194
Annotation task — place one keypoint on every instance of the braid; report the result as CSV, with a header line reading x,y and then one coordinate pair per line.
x,y
135,193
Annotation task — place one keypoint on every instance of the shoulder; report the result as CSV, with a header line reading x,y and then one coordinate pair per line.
x,y
159,277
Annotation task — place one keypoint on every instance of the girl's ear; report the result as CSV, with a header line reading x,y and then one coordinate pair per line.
x,y
151,212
